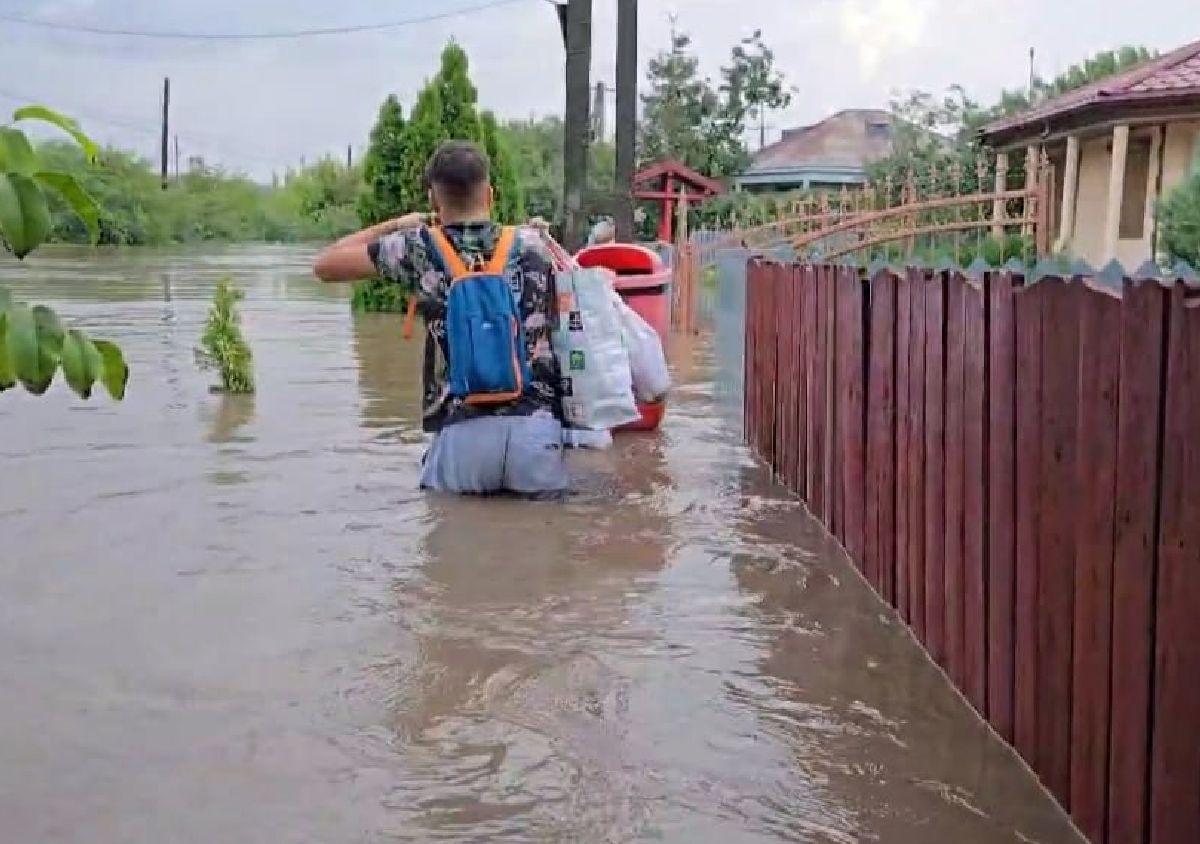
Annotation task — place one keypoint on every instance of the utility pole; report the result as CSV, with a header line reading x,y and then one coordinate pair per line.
x,y
166,108
762,127
598,121
576,20
349,156
176,140
626,117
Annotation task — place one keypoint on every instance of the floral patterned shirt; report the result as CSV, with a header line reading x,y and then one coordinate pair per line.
x,y
404,258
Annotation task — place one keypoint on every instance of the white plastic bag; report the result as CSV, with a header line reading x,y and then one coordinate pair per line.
x,y
582,438
647,361
597,383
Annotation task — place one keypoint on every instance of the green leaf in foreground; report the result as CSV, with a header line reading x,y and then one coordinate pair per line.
x,y
82,363
46,115
81,202
8,374
24,214
115,372
16,153
30,358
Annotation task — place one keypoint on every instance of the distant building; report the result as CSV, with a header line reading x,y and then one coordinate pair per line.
x,y
1117,146
828,154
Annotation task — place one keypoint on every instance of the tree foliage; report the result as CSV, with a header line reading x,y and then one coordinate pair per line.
x,y
384,196
688,117
751,83
536,148
1179,220
34,343
510,199
223,347
205,204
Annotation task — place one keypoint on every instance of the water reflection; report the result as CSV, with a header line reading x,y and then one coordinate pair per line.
x,y
232,413
389,376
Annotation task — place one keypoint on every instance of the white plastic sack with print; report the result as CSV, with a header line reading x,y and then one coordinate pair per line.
x,y
647,361
597,385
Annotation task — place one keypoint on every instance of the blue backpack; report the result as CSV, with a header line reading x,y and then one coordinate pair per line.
x,y
485,334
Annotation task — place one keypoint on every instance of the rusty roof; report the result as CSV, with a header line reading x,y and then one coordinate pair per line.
x,y
1167,77
850,138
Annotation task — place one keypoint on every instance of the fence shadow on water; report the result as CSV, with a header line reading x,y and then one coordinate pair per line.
x,y
1013,465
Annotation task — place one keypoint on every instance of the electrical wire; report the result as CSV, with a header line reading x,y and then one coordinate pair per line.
x,y
253,36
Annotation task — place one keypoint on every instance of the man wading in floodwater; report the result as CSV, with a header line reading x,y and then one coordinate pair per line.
x,y
490,377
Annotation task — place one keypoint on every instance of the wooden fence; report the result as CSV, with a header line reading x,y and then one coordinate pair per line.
x,y
1016,469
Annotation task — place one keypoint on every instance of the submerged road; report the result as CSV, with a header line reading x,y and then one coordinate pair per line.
x,y
237,620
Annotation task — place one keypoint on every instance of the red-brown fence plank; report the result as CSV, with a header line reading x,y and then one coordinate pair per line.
x,y
881,432
1001,501
819,503
803,293
836,524
1027,311
914,453
935,479
903,435
1139,409
797,397
784,414
853,419
954,440
1057,531
1175,761
974,497
770,372
1096,468
812,284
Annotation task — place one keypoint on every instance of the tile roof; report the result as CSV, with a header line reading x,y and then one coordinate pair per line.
x,y
1168,76
850,138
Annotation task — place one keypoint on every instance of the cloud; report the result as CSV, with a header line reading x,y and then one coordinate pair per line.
x,y
262,106
882,29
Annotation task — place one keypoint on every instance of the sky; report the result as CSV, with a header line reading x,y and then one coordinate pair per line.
x,y
259,105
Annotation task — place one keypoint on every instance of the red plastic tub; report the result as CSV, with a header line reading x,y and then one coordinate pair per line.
x,y
644,282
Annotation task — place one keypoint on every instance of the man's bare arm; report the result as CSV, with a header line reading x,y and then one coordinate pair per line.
x,y
349,259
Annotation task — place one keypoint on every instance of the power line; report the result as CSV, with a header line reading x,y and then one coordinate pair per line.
x,y
216,143
253,36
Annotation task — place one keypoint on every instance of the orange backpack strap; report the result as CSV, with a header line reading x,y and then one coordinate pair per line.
x,y
503,251
451,260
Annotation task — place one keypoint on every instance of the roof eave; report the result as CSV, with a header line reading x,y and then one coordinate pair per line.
x,y
1007,132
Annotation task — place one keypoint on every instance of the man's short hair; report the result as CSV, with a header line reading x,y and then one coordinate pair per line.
x,y
457,171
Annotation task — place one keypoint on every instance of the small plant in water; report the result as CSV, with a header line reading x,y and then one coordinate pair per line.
x,y
222,346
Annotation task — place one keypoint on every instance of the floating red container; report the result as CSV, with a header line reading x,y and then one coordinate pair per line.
x,y
644,283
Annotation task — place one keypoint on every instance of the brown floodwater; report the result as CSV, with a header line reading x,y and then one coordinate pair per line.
x,y
236,620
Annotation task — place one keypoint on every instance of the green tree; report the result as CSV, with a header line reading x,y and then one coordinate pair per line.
x,y
687,117
1179,220
510,199
34,343
460,122
536,147
384,169
751,83
684,118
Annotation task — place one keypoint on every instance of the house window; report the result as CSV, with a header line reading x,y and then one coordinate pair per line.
x,y
1133,198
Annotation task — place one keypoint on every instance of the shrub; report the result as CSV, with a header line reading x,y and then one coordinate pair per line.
x,y
222,346
1179,220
